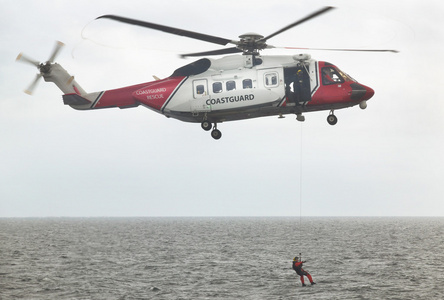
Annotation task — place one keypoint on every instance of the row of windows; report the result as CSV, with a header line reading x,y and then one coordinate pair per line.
x,y
330,76
231,85
271,79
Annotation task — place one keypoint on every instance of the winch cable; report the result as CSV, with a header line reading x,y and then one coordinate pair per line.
x,y
300,193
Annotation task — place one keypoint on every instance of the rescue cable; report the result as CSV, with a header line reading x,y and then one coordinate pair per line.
x,y
300,193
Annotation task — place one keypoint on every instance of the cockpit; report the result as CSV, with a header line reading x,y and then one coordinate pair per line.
x,y
332,75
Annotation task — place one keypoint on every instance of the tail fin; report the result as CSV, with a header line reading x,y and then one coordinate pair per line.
x,y
62,79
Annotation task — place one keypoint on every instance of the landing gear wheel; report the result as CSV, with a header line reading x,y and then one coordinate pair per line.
x,y
206,125
332,119
216,134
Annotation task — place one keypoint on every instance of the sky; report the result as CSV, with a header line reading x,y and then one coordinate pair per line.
x,y
386,160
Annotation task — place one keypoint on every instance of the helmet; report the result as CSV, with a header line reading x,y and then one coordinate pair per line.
x,y
296,258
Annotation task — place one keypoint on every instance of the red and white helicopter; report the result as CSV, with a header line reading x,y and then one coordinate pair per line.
x,y
234,87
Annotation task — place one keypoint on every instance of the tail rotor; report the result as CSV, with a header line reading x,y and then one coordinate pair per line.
x,y
44,68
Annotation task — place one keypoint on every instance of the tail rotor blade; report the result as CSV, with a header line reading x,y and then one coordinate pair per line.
x,y
31,88
57,48
26,59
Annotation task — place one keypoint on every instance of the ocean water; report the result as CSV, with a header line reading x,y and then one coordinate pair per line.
x,y
221,258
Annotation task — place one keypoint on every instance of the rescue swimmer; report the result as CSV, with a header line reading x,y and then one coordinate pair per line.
x,y
297,266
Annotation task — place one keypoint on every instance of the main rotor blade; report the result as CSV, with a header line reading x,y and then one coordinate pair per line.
x,y
172,30
311,16
213,52
330,49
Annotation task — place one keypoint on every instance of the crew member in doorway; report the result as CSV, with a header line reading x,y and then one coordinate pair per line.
x,y
298,86
297,266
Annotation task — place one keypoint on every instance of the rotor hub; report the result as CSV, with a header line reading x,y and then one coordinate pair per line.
x,y
45,68
251,42
251,36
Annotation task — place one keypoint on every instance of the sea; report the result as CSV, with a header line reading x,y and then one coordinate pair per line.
x,y
221,258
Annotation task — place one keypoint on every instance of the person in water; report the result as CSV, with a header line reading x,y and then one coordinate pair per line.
x,y
297,266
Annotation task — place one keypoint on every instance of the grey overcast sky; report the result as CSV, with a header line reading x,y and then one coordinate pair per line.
x,y
386,160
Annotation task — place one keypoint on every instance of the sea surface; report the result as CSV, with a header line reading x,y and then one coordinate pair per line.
x,y
221,258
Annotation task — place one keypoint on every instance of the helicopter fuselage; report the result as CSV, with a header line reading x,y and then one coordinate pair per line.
x,y
237,87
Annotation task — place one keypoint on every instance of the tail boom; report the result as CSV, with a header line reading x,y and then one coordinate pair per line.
x,y
154,95
62,79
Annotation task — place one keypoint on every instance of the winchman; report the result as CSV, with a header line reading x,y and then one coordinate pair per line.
x,y
297,266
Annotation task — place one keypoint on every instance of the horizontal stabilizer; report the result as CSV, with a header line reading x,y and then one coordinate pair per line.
x,y
74,99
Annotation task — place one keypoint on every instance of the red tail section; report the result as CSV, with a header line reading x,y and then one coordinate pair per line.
x,y
154,94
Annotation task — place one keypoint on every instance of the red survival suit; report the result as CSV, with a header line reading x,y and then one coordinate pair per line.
x,y
297,266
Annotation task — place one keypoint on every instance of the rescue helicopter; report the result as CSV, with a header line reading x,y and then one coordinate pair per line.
x,y
235,87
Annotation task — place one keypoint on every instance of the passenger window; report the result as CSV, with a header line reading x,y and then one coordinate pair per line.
x,y
247,84
200,89
271,79
217,87
331,76
231,85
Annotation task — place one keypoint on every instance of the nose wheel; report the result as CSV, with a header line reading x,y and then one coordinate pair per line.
x,y
332,119
215,133
207,126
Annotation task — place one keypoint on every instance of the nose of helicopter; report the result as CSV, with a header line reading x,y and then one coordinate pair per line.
x,y
370,92
361,92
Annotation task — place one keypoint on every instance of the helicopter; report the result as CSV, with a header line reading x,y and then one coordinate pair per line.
x,y
235,87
